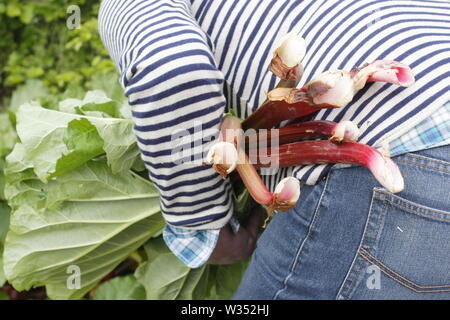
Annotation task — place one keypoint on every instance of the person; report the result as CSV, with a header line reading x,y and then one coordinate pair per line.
x,y
184,63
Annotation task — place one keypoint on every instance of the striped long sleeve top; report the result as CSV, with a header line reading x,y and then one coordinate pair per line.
x,y
184,63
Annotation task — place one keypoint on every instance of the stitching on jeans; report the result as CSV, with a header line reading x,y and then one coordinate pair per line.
x,y
412,155
300,249
402,283
415,212
422,165
400,276
410,202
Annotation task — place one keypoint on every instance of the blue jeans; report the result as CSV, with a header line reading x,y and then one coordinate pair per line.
x,y
348,238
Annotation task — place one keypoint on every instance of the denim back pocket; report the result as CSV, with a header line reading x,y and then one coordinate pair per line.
x,y
404,252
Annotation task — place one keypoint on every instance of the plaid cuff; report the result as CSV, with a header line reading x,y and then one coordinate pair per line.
x,y
192,247
432,132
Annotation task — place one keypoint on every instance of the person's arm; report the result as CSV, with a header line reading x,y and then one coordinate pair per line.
x,y
173,85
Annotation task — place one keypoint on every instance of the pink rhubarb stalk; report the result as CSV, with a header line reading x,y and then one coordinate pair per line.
x,y
282,104
385,171
231,134
383,71
332,89
286,192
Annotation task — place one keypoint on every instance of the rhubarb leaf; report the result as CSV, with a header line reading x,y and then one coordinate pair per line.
x,y
89,218
83,143
120,288
2,179
55,144
31,90
163,283
8,135
4,225
228,278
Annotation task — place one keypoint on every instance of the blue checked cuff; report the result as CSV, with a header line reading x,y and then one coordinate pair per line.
x,y
432,132
193,247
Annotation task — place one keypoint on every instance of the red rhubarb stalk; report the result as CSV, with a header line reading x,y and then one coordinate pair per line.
x,y
286,195
322,151
336,132
282,104
253,181
332,89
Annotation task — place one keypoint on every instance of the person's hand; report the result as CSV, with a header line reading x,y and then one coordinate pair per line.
x,y
233,247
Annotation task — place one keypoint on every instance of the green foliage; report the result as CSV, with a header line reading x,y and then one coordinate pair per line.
x,y
120,288
57,142
74,199
163,283
179,282
71,187
35,43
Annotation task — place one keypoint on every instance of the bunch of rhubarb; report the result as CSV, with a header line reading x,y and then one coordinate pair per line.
x,y
303,142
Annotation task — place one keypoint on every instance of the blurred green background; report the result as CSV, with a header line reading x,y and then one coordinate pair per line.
x,y
35,44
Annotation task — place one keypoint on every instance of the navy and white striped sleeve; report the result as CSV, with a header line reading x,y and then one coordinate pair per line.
x,y
174,88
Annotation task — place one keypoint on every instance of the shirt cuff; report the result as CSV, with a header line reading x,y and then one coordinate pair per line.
x,y
193,247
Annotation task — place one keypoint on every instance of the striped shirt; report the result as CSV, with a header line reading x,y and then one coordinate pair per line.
x,y
184,63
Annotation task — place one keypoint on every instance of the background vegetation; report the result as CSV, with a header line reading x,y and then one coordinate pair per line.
x,y
72,187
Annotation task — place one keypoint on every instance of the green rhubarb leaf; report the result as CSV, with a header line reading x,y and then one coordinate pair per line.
x,y
95,104
228,278
108,83
55,144
4,225
8,135
120,288
4,221
223,280
106,110
167,283
2,179
90,219
33,89
83,143
2,273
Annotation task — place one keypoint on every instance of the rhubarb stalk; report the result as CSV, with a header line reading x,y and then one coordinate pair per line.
x,y
332,89
382,167
286,194
336,132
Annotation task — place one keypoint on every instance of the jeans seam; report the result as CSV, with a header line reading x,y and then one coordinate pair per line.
x,y
426,158
414,211
422,165
302,244
401,282
364,252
